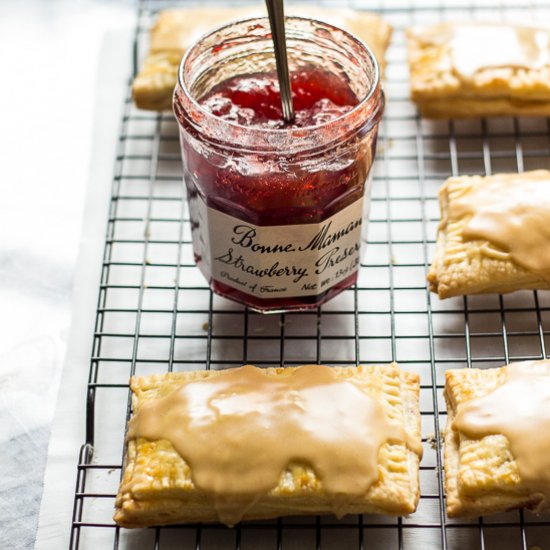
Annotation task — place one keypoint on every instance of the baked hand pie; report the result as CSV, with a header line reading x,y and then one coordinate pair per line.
x,y
251,443
497,449
494,234
176,29
463,70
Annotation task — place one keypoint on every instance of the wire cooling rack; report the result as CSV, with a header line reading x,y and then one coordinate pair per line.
x,y
155,312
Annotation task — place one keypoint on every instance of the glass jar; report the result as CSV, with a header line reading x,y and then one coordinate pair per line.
x,y
277,214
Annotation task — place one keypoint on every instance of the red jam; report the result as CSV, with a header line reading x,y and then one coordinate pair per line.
x,y
274,198
276,209
254,100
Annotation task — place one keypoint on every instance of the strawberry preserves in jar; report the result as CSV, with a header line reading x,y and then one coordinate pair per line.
x,y
277,209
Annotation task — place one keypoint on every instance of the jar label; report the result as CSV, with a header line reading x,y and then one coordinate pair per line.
x,y
277,261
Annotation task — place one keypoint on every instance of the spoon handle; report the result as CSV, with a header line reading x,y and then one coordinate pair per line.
x,y
275,9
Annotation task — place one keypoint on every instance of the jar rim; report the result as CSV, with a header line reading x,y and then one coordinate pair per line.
x,y
265,133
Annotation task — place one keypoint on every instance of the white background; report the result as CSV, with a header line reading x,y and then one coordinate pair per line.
x,y
49,55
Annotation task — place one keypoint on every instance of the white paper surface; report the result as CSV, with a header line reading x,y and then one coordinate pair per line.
x,y
69,423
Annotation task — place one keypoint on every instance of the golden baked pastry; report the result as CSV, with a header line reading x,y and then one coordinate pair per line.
x,y
175,29
494,234
497,453
261,443
463,70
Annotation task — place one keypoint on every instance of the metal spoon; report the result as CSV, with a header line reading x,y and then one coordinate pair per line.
x,y
275,9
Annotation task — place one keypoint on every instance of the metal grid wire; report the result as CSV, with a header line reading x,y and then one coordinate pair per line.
x,y
156,313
